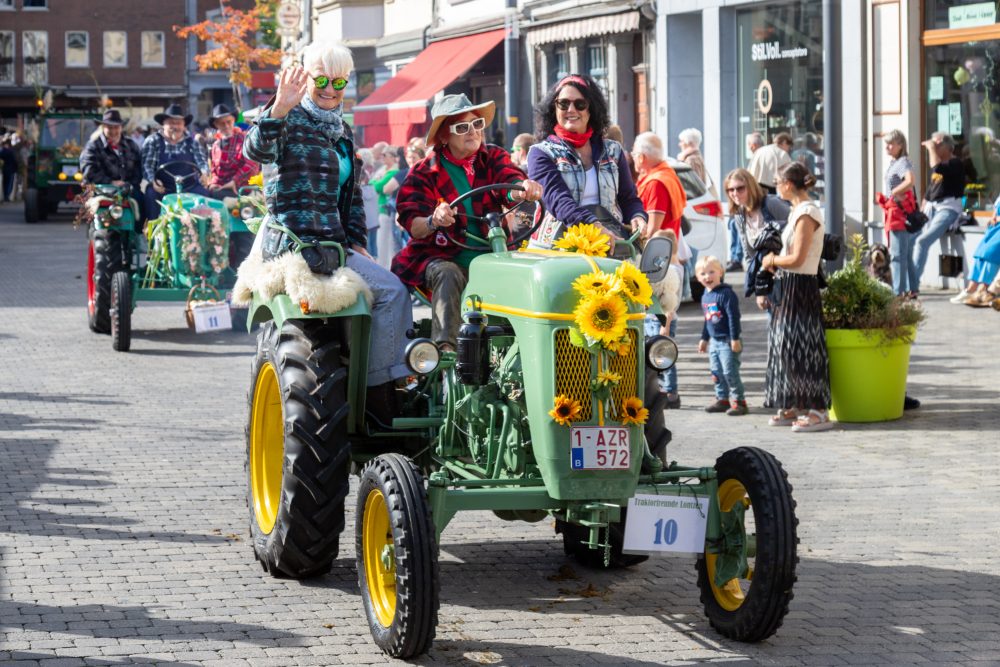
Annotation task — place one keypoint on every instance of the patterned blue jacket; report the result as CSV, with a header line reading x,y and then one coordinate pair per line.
x,y
305,194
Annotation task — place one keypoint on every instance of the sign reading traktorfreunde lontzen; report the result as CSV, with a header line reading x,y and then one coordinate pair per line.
x,y
657,524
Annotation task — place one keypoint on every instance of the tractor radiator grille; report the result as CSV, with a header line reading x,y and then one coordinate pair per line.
x,y
573,373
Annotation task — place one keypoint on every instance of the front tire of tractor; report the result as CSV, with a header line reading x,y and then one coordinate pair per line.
x,y
575,538
397,556
752,606
103,260
298,454
32,206
121,311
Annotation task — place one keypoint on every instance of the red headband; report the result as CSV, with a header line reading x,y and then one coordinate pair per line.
x,y
572,78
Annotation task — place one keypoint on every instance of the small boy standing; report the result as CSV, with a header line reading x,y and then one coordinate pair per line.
x,y
720,337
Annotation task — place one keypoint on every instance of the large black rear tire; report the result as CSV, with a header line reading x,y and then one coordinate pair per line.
x,y
752,606
32,208
298,454
121,311
106,250
397,556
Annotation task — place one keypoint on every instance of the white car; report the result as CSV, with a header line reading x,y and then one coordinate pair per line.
x,y
708,234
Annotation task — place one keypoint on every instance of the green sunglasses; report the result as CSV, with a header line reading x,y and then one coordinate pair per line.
x,y
322,81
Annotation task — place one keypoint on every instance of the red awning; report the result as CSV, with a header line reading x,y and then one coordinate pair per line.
x,y
395,111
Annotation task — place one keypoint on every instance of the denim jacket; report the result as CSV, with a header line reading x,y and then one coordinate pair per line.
x,y
557,166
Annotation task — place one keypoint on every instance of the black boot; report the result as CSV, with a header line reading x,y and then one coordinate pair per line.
x,y
323,260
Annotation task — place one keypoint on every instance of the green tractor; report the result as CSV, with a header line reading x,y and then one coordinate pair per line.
x,y
528,418
54,174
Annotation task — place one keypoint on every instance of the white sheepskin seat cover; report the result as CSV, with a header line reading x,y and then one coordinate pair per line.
x,y
668,291
289,274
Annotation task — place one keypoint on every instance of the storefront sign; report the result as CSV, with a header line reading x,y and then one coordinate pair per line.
x,y
774,51
971,16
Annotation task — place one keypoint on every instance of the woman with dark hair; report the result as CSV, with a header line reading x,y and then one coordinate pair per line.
x,y
445,240
586,178
756,216
798,379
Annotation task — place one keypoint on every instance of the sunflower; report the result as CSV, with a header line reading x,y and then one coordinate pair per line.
x,y
607,377
586,239
622,347
596,282
601,317
632,411
565,410
634,284
257,179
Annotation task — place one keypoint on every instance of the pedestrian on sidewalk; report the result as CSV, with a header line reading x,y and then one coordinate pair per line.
x,y
659,187
756,216
766,161
668,292
899,199
798,377
720,337
754,141
978,293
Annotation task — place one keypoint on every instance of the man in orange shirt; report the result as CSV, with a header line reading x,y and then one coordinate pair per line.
x,y
659,188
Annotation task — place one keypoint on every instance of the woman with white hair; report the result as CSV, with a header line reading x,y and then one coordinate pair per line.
x,y
689,141
316,196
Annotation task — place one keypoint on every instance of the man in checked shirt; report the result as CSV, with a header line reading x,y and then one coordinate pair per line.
x,y
230,169
173,143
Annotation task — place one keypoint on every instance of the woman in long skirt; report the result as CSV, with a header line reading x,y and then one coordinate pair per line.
x,y
798,378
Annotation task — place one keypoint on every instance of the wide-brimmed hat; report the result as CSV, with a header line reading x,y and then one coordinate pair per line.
x,y
455,105
220,111
173,111
111,117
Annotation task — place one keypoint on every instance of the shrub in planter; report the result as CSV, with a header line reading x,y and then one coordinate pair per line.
x,y
869,331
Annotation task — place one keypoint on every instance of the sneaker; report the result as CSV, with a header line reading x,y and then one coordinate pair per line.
x,y
673,400
960,297
737,408
721,405
734,266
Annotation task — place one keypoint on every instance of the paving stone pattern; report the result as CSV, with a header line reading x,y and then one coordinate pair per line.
x,y
123,524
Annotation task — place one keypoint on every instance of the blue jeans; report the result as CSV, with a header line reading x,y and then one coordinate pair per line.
x,y
373,242
935,229
904,271
392,315
735,246
725,365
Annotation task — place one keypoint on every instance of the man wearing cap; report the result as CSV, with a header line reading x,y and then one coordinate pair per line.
x,y
110,158
230,168
172,143
461,161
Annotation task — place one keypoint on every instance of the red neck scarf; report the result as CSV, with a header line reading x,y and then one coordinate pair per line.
x,y
464,163
574,139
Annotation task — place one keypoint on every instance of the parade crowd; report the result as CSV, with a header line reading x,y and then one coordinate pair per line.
x,y
389,205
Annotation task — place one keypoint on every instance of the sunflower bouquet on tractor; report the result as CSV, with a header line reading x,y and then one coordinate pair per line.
x,y
549,407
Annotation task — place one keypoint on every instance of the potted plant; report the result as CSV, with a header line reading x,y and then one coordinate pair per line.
x,y
869,332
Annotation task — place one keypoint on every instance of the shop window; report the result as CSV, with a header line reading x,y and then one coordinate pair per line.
x,y
963,100
36,4
780,79
954,14
115,48
6,57
560,66
6,4
77,48
597,65
35,47
152,48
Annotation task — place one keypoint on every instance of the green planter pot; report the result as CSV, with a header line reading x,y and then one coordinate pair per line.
x,y
867,374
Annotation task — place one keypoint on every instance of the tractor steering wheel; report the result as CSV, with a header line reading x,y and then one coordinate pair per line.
x,y
492,219
177,178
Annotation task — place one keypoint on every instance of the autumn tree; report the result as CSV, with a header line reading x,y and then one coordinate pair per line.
x,y
236,36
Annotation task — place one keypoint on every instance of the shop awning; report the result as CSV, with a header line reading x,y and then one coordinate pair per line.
x,y
567,31
396,110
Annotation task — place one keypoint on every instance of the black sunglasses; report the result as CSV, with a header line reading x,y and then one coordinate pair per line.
x,y
580,104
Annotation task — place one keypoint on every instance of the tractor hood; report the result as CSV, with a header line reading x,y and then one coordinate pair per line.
x,y
532,282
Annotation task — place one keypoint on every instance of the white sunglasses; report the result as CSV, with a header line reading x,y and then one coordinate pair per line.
x,y
466,125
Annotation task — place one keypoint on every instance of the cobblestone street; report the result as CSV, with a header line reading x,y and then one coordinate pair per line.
x,y
123,521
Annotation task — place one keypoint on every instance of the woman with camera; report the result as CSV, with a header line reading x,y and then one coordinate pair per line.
x,y
798,380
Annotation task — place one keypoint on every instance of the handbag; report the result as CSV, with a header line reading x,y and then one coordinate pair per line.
x,y
950,266
915,221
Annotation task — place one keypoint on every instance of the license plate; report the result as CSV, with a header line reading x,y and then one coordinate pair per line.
x,y
599,448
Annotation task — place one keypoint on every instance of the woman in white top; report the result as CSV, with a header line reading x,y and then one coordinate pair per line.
x,y
798,380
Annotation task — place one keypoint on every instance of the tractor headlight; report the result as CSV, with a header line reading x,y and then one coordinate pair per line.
x,y
661,353
246,212
422,356
115,212
62,176
78,176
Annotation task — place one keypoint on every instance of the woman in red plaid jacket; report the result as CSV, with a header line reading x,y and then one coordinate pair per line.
x,y
461,161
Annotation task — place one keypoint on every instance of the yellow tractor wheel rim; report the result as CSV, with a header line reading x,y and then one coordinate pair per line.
x,y
379,558
267,447
730,595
